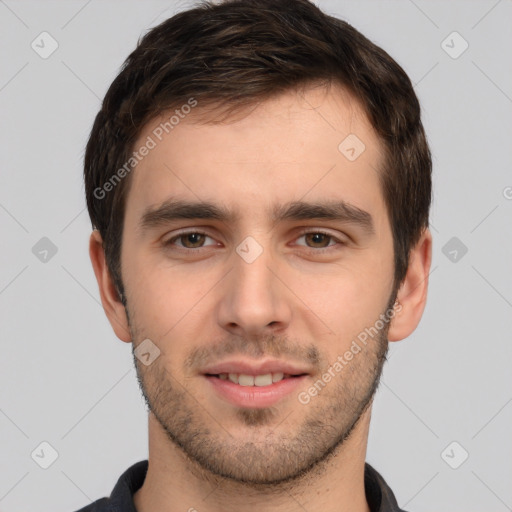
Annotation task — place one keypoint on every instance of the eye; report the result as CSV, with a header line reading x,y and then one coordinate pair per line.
x,y
189,240
319,240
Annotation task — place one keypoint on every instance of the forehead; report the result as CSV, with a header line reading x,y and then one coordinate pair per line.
x,y
313,144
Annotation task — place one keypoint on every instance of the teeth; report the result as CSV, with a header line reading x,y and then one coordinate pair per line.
x,y
245,380
276,377
253,380
263,380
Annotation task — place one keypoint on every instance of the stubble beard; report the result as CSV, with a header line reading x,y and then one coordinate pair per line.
x,y
271,456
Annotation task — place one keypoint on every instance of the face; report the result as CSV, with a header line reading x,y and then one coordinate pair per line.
x,y
257,300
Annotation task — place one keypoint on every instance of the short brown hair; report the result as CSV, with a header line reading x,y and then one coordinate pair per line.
x,y
238,53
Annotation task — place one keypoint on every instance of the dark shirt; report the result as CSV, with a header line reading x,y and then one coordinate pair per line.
x,y
379,496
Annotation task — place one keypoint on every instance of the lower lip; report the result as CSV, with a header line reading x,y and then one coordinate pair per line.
x,y
255,396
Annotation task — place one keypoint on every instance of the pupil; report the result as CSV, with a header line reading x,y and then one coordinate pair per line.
x,y
318,238
194,238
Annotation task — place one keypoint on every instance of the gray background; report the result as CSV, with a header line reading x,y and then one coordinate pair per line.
x,y
65,379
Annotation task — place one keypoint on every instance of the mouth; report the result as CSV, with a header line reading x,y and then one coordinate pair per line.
x,y
251,384
262,380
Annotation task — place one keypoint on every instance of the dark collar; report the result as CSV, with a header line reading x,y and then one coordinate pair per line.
x,y
378,494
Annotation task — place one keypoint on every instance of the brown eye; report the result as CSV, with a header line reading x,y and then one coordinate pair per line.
x,y
318,240
192,240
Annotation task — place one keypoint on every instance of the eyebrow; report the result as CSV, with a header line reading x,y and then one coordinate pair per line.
x,y
338,210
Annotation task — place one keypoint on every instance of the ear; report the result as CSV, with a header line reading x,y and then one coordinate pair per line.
x,y
114,308
412,294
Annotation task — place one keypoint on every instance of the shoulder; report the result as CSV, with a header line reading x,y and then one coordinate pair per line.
x,y
121,498
101,505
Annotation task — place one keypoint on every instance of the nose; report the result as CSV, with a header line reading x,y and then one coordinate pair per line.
x,y
253,299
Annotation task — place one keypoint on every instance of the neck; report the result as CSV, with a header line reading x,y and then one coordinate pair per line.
x,y
175,483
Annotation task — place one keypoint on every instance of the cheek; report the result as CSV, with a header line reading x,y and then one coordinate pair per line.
x,y
171,299
347,299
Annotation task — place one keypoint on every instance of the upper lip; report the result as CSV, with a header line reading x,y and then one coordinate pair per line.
x,y
255,367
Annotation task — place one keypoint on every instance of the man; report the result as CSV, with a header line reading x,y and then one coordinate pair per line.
x,y
259,182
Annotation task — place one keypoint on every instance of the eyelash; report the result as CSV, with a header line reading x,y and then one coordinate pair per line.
x,y
301,234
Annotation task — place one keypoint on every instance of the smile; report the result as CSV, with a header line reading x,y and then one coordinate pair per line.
x,y
254,391
243,379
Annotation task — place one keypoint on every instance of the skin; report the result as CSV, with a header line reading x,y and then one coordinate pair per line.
x,y
292,302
